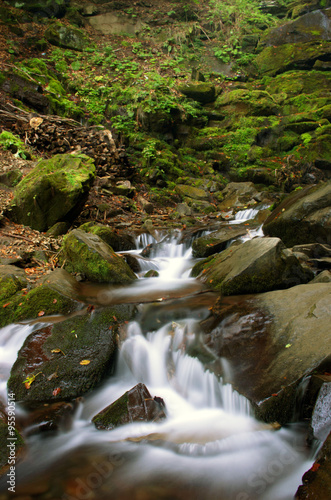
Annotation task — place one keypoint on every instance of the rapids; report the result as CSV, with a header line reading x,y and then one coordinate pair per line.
x,y
210,446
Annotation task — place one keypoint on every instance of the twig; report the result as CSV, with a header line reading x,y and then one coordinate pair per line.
x,y
16,236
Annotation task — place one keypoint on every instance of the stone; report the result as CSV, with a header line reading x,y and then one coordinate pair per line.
x,y
27,91
201,92
216,241
323,277
49,8
238,194
317,480
321,418
192,192
88,254
255,266
303,217
54,191
65,37
67,359
12,279
272,341
112,24
136,405
118,240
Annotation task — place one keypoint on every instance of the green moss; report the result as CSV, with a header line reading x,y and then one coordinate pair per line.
x,y
9,141
25,306
114,415
10,284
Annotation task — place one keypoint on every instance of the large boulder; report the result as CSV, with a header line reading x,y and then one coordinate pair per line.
x,y
118,241
136,405
89,255
258,265
55,190
238,194
303,217
65,360
297,44
272,341
48,8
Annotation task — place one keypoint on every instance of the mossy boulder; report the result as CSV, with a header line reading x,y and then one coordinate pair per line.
x,y
258,265
247,102
303,217
201,92
275,60
55,190
136,405
12,279
68,38
52,297
118,241
238,194
28,92
273,341
65,360
88,254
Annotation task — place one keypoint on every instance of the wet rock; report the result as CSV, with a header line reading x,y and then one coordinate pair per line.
x,y
68,38
216,241
201,92
65,360
256,266
238,194
88,254
51,418
317,480
119,241
55,190
12,279
136,405
321,418
303,217
272,341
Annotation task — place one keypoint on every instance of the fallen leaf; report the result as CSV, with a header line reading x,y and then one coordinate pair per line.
x,y
41,313
287,346
56,391
85,362
54,301
7,304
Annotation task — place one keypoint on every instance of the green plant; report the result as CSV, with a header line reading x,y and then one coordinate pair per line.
x,y
11,142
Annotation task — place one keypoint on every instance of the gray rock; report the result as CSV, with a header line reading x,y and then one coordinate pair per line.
x,y
238,194
216,241
256,266
303,217
68,38
272,341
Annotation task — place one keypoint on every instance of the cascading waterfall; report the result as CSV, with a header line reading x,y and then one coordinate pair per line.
x,y
209,446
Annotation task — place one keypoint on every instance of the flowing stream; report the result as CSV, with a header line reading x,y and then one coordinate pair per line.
x,y
210,446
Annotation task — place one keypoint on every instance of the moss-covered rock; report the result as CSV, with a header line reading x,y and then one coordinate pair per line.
x,y
48,8
88,254
66,360
12,279
27,91
118,241
303,217
258,265
55,190
216,241
40,301
63,36
201,92
274,60
192,192
247,102
136,405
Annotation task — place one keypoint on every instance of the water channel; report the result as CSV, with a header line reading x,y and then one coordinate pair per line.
x,y
209,447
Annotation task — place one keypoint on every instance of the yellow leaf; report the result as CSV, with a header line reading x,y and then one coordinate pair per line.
x,y
56,350
85,362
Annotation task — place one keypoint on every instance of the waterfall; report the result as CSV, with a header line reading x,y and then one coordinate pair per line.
x,y
208,446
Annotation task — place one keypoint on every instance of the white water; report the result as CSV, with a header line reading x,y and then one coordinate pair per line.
x,y
210,444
